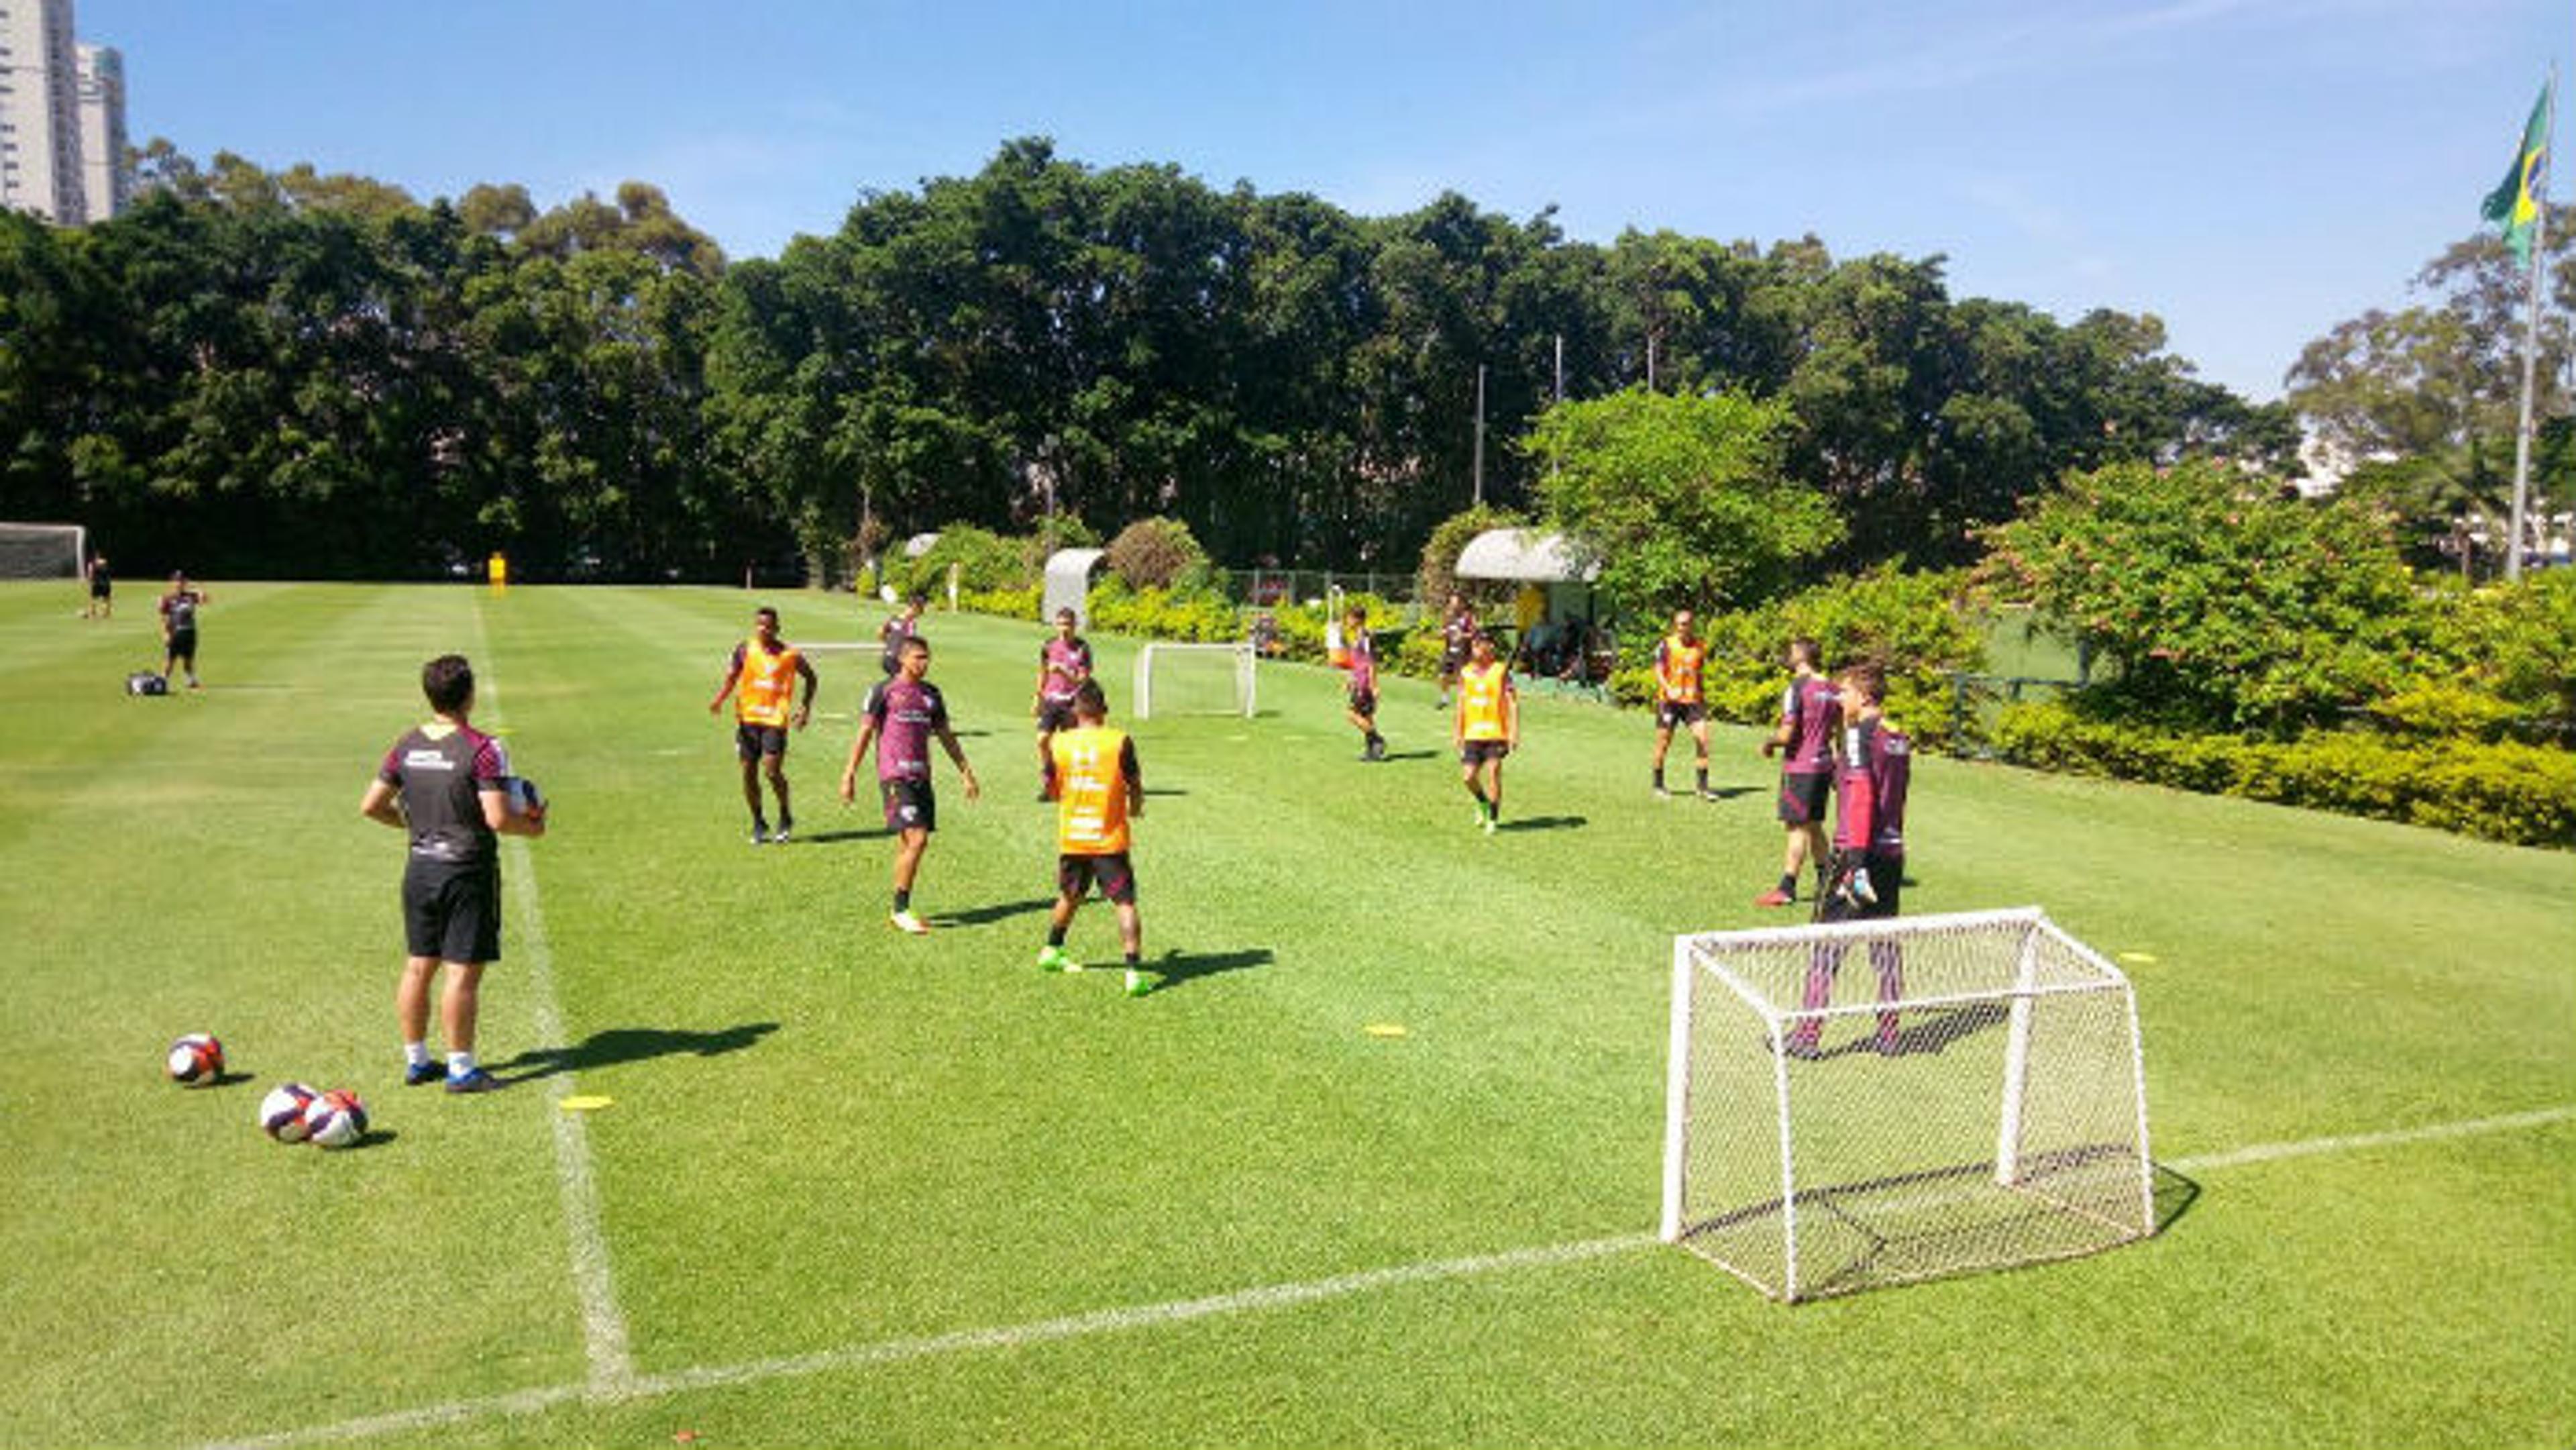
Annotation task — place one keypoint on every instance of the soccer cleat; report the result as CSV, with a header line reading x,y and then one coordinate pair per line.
x,y
1662,794
477,1081
905,921
416,1074
1493,822
1136,983
760,833
1709,795
1057,959
1775,897
786,827
1800,1046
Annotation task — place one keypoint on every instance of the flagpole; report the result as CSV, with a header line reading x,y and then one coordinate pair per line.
x,y
2531,345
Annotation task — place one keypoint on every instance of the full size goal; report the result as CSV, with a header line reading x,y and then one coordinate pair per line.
x,y
1196,679
1869,1103
42,551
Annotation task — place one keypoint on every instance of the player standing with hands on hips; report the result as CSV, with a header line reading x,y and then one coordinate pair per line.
x,y
1099,790
1810,715
1486,728
901,717
762,678
1868,868
449,785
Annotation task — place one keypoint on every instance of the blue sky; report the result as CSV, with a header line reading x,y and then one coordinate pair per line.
x,y
2251,171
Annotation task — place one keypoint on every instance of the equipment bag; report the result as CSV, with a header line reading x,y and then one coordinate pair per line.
x,y
144,682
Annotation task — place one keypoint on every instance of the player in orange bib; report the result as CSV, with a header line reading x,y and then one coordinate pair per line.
x,y
1099,790
1487,728
1679,659
762,676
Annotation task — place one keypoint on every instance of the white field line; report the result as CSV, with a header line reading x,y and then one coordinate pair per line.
x,y
603,1326
1109,1321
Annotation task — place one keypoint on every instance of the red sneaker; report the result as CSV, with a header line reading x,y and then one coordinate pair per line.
x,y
1775,897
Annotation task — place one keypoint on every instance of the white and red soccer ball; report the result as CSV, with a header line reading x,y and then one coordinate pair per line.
x,y
281,1113
337,1119
196,1060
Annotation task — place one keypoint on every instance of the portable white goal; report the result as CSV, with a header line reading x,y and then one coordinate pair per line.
x,y
1869,1103
43,551
1197,679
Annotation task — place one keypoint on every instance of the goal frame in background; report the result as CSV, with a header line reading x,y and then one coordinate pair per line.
x,y
25,540
2008,947
1246,673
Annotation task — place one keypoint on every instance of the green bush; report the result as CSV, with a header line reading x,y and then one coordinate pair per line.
x,y
1022,603
2501,791
985,561
1189,616
1159,553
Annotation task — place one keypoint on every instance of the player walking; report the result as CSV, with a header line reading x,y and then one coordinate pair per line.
x,y
1810,714
1064,667
1359,655
1868,869
1486,728
447,783
179,627
102,589
1679,659
902,625
901,717
1099,790
1457,636
766,669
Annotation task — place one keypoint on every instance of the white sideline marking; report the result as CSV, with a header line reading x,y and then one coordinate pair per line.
x,y
612,1363
2355,1142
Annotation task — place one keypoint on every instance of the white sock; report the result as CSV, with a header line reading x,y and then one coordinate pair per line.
x,y
460,1064
416,1054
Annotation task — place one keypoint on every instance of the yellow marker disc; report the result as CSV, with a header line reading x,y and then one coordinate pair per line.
x,y
585,1104
1385,1029
2144,959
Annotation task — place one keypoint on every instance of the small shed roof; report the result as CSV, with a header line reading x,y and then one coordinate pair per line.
x,y
1528,555
919,544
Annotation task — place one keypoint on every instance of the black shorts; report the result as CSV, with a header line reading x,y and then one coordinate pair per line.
x,y
1074,876
1450,660
100,588
751,742
1477,752
1679,715
1363,702
452,912
910,805
1886,883
1802,797
183,644
1054,715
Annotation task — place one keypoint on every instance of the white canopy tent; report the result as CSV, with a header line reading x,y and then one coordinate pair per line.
x,y
1068,583
1523,556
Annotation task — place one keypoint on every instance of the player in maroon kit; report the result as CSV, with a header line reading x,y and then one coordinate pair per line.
x,y
901,717
1810,714
1868,869
1362,701
1064,665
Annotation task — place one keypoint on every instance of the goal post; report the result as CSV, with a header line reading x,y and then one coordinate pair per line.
x,y
43,551
1196,679
1867,1103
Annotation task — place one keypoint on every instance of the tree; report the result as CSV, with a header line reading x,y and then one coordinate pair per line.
x,y
1681,501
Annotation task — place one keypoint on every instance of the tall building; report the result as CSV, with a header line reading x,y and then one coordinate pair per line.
x,y
40,168
100,92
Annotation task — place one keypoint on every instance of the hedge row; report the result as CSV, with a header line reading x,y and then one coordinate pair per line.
x,y
2500,791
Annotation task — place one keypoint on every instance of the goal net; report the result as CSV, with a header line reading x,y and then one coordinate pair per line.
x,y
42,551
1195,679
1868,1103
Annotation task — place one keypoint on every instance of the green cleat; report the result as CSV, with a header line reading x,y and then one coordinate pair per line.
x,y
1057,959
1136,985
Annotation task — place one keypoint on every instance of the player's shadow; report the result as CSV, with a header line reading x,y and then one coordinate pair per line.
x,y
1546,823
1730,792
1178,969
1395,755
986,915
628,1044
1156,792
834,838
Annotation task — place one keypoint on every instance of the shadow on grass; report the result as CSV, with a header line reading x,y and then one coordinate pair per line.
x,y
229,1078
1393,756
628,1044
1546,823
986,915
834,838
372,1138
1730,792
2175,1194
1179,968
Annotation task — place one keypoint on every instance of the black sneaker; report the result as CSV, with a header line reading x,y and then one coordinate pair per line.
x,y
786,826
477,1081
417,1073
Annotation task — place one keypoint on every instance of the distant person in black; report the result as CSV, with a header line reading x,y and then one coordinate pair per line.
x,y
448,784
102,590
900,626
179,627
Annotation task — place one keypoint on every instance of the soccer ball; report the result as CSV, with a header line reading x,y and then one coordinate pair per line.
x,y
336,1119
281,1113
196,1060
523,795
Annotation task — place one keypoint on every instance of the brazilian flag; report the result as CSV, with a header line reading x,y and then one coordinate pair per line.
x,y
2515,204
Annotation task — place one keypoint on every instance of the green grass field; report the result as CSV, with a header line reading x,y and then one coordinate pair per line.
x,y
858,1188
